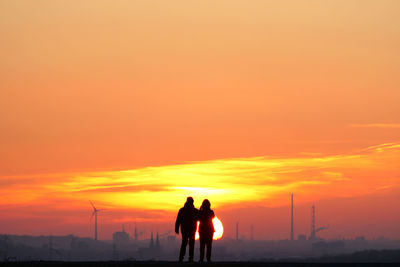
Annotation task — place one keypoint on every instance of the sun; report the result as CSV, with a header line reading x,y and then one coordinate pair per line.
x,y
219,229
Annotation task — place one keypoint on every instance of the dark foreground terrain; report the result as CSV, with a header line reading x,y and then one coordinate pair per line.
x,y
173,264
362,258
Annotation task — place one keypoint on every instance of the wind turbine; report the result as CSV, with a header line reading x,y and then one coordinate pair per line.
x,y
95,211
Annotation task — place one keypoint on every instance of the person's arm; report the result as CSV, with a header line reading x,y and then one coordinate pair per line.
x,y
197,215
212,223
178,221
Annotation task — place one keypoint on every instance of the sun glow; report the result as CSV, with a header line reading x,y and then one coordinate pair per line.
x,y
219,229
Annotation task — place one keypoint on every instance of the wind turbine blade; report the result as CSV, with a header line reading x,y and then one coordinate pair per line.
x,y
91,217
94,208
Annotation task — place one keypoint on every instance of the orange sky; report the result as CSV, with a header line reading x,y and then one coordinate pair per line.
x,y
136,104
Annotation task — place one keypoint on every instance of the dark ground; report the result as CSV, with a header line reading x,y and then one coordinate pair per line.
x,y
185,264
362,258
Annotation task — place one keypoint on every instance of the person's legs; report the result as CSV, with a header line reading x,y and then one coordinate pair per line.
x,y
183,247
209,247
191,247
202,247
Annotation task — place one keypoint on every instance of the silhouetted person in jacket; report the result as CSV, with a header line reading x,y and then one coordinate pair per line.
x,y
206,229
187,220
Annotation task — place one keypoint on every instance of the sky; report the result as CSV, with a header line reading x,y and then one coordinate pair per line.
x,y
135,105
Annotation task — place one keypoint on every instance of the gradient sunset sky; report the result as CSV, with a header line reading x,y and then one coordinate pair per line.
x,y
135,105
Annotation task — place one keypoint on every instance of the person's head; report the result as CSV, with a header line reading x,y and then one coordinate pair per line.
x,y
189,202
206,205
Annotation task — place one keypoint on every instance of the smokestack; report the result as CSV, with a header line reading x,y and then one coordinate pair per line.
x,y
291,220
237,231
312,236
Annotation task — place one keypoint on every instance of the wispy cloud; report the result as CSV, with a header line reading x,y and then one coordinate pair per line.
x,y
376,125
383,147
225,181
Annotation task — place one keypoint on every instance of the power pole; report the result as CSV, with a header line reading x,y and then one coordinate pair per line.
x,y
291,221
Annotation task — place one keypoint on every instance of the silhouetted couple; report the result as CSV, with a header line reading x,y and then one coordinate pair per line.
x,y
187,219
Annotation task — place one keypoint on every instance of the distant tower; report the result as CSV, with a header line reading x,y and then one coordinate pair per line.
x,y
252,232
95,211
237,231
157,241
151,240
312,236
291,220
136,234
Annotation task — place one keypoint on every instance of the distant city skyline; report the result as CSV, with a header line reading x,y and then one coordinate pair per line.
x,y
158,247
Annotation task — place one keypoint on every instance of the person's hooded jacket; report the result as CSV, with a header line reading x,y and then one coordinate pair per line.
x,y
187,219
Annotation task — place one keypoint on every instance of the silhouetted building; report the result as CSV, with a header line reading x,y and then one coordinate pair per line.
x,y
121,238
302,237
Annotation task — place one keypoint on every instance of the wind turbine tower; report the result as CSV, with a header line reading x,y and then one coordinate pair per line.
x,y
95,211
291,220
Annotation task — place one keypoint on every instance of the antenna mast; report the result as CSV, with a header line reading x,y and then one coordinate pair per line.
x,y
291,220
237,231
